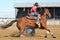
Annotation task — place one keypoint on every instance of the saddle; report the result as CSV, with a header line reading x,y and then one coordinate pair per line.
x,y
31,17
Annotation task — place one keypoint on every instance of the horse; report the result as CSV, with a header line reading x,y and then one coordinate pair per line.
x,y
24,22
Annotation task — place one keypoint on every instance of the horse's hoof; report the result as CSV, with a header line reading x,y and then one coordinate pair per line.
x,y
54,37
45,36
22,36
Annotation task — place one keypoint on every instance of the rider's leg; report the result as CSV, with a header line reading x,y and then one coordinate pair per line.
x,y
38,17
37,20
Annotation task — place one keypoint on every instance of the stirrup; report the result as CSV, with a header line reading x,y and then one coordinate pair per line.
x,y
38,24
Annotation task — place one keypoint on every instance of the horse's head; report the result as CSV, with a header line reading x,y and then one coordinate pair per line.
x,y
46,12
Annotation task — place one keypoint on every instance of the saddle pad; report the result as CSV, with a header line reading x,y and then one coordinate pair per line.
x,y
31,18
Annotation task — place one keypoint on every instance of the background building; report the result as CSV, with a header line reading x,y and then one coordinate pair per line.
x,y
22,9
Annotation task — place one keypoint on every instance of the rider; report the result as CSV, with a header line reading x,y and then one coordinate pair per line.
x,y
33,11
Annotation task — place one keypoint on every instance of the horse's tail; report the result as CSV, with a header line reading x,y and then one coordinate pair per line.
x,y
8,25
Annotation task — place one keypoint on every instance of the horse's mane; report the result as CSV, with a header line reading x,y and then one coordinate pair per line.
x,y
40,11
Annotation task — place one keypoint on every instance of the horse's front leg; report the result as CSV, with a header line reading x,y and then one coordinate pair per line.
x,y
44,24
49,32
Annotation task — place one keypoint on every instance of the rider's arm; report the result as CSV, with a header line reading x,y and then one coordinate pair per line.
x,y
34,9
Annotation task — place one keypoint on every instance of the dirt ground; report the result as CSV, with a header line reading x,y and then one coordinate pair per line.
x,y
6,34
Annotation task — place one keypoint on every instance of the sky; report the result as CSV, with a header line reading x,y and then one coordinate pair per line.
x,y
7,6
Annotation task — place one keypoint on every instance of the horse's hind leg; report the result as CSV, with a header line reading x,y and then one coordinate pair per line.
x,y
49,32
21,30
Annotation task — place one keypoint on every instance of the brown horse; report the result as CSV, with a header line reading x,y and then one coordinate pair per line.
x,y
24,22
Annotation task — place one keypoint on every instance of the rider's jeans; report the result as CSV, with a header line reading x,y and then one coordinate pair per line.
x,y
38,16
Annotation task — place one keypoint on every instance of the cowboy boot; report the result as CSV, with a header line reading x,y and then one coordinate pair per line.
x,y
38,24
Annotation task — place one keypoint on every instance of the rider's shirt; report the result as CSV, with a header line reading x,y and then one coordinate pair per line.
x,y
33,9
